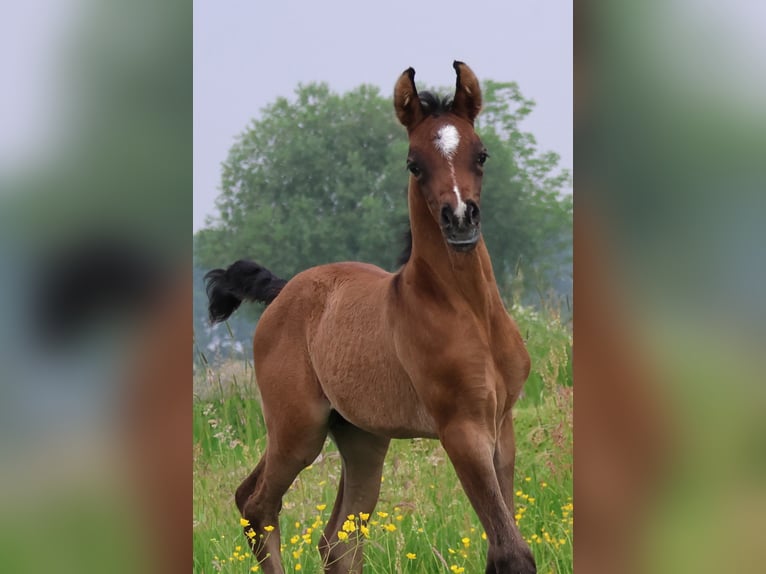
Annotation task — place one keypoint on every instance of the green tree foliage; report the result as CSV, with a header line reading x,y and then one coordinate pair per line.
x,y
322,178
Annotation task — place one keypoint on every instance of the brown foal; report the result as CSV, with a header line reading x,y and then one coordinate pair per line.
x,y
365,355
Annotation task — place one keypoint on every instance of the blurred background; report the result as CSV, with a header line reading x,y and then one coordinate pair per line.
x,y
669,282
95,210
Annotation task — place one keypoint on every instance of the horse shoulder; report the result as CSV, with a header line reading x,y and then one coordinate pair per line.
x,y
509,351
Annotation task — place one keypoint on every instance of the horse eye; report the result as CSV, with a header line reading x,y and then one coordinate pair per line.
x,y
482,157
414,169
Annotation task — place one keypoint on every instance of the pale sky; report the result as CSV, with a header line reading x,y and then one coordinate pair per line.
x,y
249,52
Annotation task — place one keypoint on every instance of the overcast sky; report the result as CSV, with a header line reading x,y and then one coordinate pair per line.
x,y
249,52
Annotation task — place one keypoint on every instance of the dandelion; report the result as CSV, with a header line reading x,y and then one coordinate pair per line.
x,y
268,528
342,535
411,555
243,522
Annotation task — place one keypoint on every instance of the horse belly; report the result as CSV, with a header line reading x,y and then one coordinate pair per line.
x,y
361,377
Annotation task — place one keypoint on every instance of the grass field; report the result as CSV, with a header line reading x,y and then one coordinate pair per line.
x,y
423,522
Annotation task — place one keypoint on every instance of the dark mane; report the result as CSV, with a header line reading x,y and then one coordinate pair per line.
x,y
434,105
404,256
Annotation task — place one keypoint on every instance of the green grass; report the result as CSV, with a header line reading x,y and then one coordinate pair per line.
x,y
422,509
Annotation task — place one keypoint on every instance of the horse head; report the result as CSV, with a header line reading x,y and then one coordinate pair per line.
x,y
446,156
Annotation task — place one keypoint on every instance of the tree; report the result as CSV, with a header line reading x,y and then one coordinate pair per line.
x,y
322,178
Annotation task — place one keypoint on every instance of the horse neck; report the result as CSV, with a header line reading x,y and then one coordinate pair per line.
x,y
468,276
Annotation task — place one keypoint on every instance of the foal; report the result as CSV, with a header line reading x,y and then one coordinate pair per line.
x,y
365,356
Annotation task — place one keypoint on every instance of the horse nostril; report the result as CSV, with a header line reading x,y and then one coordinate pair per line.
x,y
472,212
446,216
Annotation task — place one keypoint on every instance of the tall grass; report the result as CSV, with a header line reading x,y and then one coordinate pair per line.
x,y
423,522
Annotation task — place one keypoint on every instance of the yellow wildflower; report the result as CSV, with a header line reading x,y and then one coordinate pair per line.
x,y
250,533
383,514
466,541
255,568
390,527
364,515
298,567
268,528
364,530
243,522
342,535
321,507
349,526
411,555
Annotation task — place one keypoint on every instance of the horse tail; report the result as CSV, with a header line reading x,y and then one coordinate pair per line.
x,y
242,281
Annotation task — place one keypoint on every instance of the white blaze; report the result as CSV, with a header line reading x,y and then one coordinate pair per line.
x,y
447,141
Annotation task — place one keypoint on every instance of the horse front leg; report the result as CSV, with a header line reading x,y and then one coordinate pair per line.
x,y
470,445
504,462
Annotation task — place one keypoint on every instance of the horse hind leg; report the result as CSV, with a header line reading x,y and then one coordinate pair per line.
x,y
295,439
362,456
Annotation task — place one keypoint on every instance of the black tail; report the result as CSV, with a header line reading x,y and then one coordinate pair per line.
x,y
241,281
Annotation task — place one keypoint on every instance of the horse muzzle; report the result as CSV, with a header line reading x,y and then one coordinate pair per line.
x,y
461,231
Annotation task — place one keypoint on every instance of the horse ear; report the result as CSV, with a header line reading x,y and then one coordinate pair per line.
x,y
467,101
406,100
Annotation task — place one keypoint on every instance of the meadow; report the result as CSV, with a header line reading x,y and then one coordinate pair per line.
x,y
423,522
